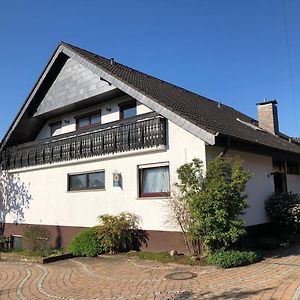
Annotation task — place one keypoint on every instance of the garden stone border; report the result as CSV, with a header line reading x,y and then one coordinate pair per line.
x,y
16,257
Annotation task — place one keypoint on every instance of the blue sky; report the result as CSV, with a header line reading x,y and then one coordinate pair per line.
x,y
232,51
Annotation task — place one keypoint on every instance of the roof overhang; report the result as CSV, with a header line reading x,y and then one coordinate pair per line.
x,y
255,148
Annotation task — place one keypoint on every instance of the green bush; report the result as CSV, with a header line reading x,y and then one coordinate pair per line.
x,y
120,233
284,210
35,240
3,242
232,258
86,243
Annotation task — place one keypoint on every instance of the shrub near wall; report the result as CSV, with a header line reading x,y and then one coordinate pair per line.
x,y
35,240
114,234
120,233
86,243
284,210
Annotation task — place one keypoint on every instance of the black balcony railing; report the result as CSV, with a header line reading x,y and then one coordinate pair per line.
x,y
143,131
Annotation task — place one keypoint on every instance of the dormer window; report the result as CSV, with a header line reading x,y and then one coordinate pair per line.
x,y
88,120
54,128
127,109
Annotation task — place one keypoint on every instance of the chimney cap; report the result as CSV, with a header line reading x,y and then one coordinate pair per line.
x,y
267,102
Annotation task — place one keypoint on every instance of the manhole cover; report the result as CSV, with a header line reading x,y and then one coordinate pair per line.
x,y
181,275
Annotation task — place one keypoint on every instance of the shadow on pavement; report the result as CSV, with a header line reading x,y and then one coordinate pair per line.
x,y
233,294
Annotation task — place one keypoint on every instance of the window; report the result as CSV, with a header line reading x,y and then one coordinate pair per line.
x,y
54,127
279,166
293,169
86,181
287,168
154,181
279,176
280,185
127,109
88,120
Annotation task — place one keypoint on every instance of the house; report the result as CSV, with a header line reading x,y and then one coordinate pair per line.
x,y
96,137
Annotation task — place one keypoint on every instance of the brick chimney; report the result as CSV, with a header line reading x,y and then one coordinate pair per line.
x,y
268,116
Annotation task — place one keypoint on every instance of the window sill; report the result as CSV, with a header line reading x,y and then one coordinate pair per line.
x,y
154,198
90,190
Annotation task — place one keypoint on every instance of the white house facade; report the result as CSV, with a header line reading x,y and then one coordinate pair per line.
x,y
96,137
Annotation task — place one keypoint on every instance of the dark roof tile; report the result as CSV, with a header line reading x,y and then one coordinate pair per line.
x,y
197,109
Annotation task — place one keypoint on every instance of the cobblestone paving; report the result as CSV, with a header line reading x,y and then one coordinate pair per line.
x,y
120,277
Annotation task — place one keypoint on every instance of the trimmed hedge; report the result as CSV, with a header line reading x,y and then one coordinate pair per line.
x,y
232,258
86,243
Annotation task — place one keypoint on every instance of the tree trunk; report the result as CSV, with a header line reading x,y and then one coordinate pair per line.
x,y
2,228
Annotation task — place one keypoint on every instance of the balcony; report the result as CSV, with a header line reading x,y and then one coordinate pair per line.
x,y
140,132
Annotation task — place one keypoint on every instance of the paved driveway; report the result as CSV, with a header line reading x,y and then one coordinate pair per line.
x,y
118,277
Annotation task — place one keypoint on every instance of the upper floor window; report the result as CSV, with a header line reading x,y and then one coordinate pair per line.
x,y
127,109
54,127
88,120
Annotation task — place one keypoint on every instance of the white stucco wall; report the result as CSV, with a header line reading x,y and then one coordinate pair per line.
x,y
293,183
107,115
52,204
259,187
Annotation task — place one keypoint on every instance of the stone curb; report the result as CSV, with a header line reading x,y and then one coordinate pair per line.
x,y
14,257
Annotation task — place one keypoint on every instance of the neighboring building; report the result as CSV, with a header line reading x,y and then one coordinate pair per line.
x,y
96,137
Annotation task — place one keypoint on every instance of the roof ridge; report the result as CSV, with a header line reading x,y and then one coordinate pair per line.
x,y
82,49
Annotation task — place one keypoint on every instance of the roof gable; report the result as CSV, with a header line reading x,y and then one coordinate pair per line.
x,y
32,125
109,71
73,84
23,125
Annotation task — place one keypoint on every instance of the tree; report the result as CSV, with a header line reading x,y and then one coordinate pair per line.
x,y
180,211
190,176
14,198
215,202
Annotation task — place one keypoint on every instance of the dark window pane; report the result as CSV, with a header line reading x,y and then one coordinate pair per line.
x,y
86,181
127,109
95,119
77,182
54,127
129,112
280,182
97,180
83,122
